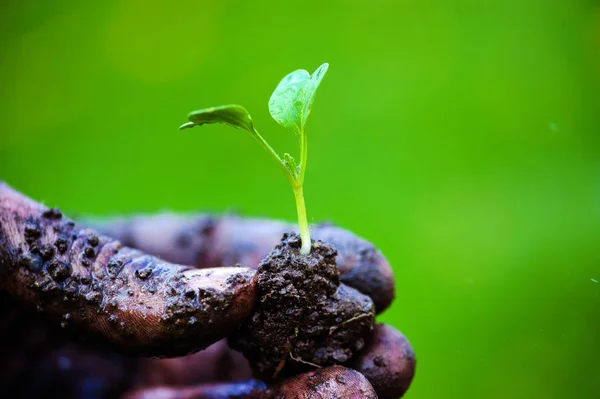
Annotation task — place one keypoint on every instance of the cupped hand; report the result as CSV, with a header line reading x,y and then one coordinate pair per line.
x,y
102,307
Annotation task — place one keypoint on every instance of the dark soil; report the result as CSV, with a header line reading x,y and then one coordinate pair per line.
x,y
305,318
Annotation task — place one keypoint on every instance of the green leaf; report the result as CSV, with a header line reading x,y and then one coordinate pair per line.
x,y
187,125
292,99
290,164
232,115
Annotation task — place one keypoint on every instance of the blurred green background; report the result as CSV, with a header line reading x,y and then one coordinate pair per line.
x,y
462,137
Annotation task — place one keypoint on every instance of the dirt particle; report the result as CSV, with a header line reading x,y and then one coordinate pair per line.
x,y
31,261
114,267
340,379
238,278
89,252
378,361
144,273
61,244
84,261
32,232
93,240
190,294
85,280
52,213
47,251
58,270
50,287
93,297
130,292
71,291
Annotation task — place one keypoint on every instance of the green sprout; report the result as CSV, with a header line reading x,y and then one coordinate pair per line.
x,y
290,106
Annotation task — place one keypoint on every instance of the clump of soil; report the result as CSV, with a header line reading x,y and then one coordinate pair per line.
x,y
305,318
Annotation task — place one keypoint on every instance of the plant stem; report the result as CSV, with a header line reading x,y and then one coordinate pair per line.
x,y
296,181
303,155
302,220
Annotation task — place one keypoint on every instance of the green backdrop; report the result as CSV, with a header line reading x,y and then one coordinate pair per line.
x,y
462,137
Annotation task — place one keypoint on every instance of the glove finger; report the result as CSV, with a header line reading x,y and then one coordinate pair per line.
x,y
328,383
112,293
205,241
216,363
388,362
251,389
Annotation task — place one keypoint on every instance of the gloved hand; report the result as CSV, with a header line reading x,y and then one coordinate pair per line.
x,y
102,307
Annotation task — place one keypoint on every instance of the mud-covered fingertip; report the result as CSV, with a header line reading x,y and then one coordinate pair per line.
x,y
237,283
388,362
331,382
207,305
376,272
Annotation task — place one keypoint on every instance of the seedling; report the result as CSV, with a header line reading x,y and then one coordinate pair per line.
x,y
290,106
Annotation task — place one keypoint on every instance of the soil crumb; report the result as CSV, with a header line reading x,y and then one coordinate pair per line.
x,y
305,318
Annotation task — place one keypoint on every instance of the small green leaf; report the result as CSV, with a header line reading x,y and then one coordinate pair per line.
x,y
290,164
232,115
292,99
311,89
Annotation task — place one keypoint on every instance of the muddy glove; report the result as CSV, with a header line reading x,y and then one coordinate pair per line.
x,y
112,296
